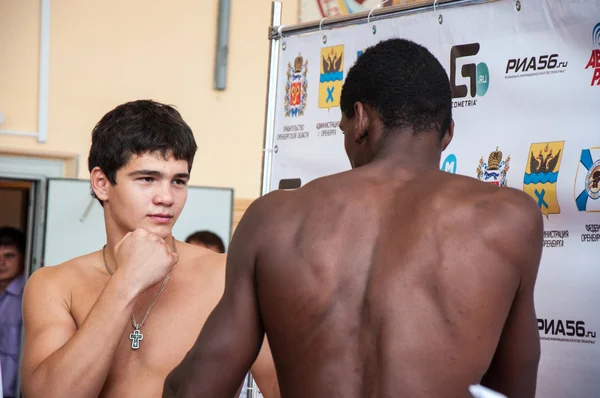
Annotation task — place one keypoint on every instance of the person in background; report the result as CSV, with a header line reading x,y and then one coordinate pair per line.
x,y
207,239
12,281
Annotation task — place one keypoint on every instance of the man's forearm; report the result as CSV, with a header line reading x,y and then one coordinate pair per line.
x,y
216,364
79,368
191,378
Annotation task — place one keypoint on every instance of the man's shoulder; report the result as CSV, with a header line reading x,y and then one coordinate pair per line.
x,y
510,221
269,208
507,205
59,278
198,262
497,214
488,201
287,200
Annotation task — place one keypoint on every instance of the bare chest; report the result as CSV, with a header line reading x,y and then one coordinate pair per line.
x,y
145,357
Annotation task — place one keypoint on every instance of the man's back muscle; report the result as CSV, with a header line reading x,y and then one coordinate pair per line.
x,y
385,285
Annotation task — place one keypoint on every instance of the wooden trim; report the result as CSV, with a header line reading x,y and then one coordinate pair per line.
x,y
15,184
239,208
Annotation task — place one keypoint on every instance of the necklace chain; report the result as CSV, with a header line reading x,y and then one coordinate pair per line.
x,y
162,287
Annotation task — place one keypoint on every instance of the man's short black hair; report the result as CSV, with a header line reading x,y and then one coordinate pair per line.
x,y
404,83
10,236
139,127
207,238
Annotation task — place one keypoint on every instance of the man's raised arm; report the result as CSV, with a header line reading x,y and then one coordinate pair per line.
x,y
232,336
63,359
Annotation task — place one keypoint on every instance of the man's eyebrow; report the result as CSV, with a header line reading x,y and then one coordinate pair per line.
x,y
145,173
158,174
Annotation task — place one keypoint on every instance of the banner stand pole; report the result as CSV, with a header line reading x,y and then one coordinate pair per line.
x,y
271,98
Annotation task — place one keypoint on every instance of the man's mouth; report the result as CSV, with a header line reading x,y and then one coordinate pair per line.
x,y
161,217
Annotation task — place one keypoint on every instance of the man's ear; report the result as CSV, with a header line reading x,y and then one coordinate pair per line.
x,y
361,123
448,135
99,183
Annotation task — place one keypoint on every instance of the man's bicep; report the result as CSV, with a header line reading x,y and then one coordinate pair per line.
x,y
48,324
230,340
240,288
231,337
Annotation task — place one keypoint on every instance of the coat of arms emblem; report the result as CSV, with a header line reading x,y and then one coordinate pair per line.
x,y
296,87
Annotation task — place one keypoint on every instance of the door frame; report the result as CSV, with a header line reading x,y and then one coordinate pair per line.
x,y
37,171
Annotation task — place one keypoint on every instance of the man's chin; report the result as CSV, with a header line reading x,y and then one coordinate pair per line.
x,y
164,231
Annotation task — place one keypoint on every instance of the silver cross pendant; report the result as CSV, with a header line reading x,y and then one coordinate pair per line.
x,y
135,338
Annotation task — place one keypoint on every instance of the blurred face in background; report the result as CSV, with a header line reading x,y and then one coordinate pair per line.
x,y
11,263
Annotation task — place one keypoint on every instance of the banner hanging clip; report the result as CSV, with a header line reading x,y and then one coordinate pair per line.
x,y
321,28
271,150
440,17
374,28
280,36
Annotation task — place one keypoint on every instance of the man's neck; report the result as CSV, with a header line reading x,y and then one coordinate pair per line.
x,y
399,149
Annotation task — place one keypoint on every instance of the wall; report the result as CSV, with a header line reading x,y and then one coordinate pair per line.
x,y
105,53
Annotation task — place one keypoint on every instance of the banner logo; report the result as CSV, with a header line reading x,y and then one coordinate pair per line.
x,y
534,66
541,174
594,61
566,331
449,164
332,76
295,88
587,181
494,171
478,75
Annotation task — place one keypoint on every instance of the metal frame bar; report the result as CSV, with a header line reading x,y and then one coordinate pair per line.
x,y
222,51
44,79
271,98
44,82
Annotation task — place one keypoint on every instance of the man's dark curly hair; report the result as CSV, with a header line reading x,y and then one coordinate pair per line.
x,y
404,83
135,128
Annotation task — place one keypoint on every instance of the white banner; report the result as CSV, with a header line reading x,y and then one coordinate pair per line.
x,y
526,88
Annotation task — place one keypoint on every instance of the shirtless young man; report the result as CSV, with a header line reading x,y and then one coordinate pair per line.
x,y
79,338
394,279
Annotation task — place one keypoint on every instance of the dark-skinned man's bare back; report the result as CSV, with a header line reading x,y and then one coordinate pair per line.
x,y
380,285
393,279
414,284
